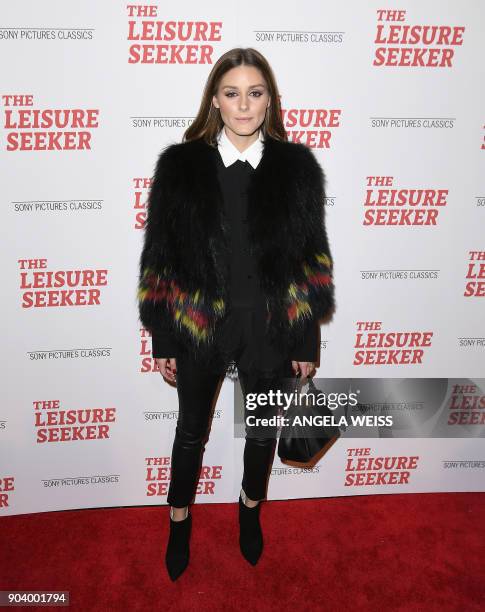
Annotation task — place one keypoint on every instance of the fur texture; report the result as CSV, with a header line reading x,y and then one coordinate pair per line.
x,y
182,283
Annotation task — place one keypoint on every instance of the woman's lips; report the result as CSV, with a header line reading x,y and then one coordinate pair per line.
x,y
243,118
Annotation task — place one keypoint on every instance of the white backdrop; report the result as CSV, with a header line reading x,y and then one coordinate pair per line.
x,y
73,201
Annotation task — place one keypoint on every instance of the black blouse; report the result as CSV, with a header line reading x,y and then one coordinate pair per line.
x,y
245,322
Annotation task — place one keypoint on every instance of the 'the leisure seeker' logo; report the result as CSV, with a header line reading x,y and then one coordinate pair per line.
x,y
46,129
476,271
41,288
177,42
418,46
376,347
387,205
466,405
159,471
313,127
56,424
142,188
148,364
7,486
364,470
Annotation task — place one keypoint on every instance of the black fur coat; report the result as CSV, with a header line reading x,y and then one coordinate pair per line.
x,y
183,269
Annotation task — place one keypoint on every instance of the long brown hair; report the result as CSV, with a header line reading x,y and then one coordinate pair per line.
x,y
208,121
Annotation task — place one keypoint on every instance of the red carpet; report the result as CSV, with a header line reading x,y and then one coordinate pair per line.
x,y
385,552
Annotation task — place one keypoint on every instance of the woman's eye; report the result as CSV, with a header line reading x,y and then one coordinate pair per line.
x,y
231,94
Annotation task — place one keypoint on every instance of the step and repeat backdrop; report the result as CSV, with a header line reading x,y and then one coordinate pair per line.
x,y
389,96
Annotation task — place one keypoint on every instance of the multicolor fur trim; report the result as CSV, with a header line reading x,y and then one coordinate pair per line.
x,y
299,295
190,310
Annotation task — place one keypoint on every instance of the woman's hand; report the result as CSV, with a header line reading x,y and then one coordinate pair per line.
x,y
305,367
168,368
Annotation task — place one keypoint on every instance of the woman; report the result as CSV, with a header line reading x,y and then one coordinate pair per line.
x,y
235,266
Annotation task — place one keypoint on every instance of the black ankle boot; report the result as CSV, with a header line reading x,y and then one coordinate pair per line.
x,y
250,534
177,554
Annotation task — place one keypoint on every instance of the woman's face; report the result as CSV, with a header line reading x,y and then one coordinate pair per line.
x,y
242,98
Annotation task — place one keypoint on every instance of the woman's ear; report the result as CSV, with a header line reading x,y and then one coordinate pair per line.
x,y
215,102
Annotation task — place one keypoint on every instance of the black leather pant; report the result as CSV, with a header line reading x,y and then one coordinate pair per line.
x,y
196,387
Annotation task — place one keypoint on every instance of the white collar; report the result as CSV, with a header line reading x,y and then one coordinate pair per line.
x,y
230,153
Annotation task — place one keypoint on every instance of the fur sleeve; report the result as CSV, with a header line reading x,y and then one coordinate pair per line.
x,y
317,265
153,279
